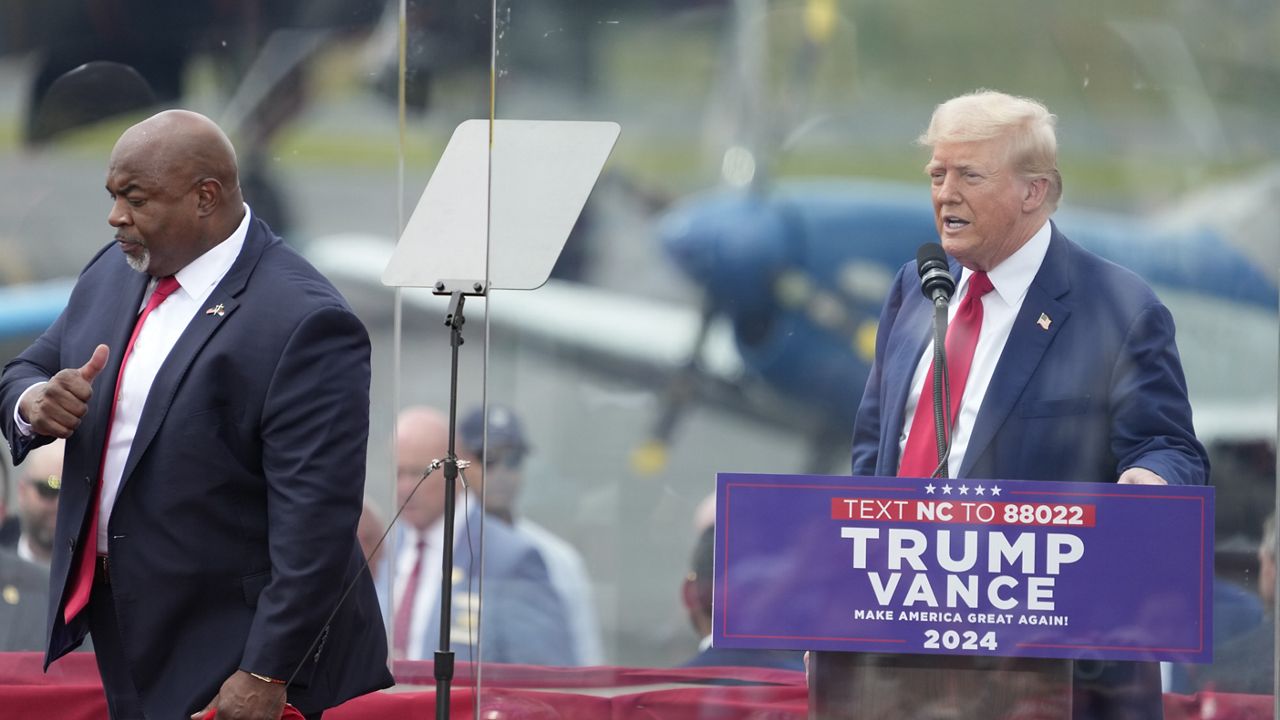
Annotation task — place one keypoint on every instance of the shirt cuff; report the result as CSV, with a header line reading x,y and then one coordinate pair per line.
x,y
24,427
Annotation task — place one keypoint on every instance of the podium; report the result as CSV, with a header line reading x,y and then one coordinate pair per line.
x,y
967,599
874,686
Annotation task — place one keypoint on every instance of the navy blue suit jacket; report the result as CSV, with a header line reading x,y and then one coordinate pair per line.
x,y
1097,392
740,657
233,533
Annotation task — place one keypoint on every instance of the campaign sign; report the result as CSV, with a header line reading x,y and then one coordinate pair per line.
x,y
969,567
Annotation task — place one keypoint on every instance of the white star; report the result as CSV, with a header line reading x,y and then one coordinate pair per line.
x,y
946,489
980,490
928,489
995,490
964,489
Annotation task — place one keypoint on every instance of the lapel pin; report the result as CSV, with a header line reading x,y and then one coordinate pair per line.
x,y
1044,322
221,310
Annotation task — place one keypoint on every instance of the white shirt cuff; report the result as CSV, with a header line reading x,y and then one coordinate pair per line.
x,y
24,427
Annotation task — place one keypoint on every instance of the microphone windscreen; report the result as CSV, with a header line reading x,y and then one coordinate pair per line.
x,y
935,274
928,254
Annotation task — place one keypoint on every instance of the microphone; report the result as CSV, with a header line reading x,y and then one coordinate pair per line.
x,y
935,274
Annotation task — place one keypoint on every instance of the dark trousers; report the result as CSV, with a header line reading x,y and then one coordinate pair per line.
x,y
123,702
122,696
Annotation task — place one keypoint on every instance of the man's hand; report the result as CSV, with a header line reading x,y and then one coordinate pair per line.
x,y
56,408
245,697
1140,476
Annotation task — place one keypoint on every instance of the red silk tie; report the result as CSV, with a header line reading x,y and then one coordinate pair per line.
x,y
404,610
920,456
82,580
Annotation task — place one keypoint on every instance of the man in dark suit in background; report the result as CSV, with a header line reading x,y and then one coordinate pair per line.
x,y
37,495
696,594
211,488
10,526
1074,373
24,594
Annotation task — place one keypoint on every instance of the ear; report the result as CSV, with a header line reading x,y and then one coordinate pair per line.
x,y
208,196
689,595
1036,193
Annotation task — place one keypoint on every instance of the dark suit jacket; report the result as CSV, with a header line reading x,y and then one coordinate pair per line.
x,y
233,533
739,657
522,619
1097,392
1101,390
24,594
10,531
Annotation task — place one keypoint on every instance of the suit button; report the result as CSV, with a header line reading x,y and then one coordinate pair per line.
x,y
87,481
71,543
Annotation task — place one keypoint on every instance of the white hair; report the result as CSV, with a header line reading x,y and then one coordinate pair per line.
x,y
986,114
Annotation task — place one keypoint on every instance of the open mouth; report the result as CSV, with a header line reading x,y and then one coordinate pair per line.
x,y
951,222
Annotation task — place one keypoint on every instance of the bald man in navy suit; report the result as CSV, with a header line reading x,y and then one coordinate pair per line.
x,y
212,489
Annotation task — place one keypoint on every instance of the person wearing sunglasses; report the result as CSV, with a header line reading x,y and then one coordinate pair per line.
x,y
37,500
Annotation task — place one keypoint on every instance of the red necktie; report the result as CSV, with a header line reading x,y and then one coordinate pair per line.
x,y
404,610
920,456
82,580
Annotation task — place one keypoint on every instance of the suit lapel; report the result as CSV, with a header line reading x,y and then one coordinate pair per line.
x,y
117,321
459,583
200,329
465,622
1024,349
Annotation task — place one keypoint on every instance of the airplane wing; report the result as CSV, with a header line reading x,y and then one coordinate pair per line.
x,y
655,334
27,309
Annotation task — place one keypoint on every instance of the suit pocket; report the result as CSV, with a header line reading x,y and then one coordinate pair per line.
x,y
253,585
1056,407
206,421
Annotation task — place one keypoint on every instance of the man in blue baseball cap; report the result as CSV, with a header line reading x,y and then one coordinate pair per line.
x,y
497,476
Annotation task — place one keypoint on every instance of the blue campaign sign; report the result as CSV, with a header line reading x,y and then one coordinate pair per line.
x,y
970,567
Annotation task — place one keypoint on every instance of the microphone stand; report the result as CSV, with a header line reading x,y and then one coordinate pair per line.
x,y
941,385
443,666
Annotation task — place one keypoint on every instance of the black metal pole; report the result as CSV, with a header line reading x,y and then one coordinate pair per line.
x,y
444,656
941,389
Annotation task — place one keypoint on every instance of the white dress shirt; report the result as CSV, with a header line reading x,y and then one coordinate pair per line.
x,y
1010,280
428,595
155,341
26,553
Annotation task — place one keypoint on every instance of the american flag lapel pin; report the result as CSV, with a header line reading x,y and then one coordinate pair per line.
x,y
221,310
1044,322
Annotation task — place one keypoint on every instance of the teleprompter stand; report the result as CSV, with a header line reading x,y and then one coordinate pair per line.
x,y
443,667
496,212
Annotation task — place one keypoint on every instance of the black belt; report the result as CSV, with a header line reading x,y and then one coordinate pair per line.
x,y
101,572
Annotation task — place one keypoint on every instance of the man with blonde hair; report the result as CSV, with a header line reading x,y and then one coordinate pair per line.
x,y
1061,365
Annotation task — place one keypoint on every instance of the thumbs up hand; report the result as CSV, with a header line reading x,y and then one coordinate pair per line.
x,y
55,408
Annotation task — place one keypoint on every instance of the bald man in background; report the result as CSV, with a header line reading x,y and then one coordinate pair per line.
x,y
211,488
523,620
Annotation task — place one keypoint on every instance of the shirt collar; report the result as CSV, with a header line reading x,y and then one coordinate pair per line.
x,y
1011,278
200,274
434,533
